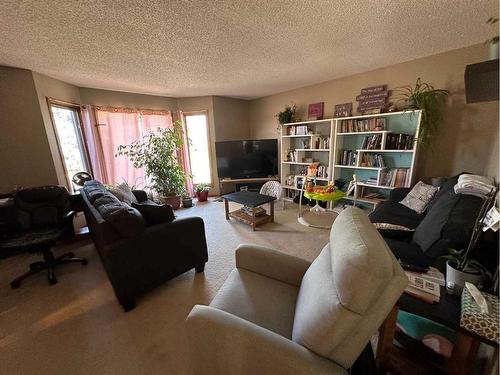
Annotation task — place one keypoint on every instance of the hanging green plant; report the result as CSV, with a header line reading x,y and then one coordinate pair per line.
x,y
431,101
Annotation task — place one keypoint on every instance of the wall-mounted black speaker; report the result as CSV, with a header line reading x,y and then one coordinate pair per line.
x,y
481,82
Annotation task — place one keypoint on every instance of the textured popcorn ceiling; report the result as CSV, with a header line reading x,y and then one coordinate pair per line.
x,y
234,48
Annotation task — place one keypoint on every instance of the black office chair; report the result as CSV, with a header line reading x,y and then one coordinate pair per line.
x,y
44,218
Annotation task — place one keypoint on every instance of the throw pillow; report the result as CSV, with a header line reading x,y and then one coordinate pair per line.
x,y
389,226
123,193
126,220
155,214
419,197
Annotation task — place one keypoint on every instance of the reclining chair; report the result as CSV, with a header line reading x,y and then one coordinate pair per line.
x,y
43,218
278,314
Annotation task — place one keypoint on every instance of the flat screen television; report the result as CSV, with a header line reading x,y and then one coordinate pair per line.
x,y
247,159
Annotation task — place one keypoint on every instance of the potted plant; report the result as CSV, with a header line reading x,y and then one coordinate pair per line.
x,y
187,200
430,100
157,153
287,115
202,192
460,268
493,42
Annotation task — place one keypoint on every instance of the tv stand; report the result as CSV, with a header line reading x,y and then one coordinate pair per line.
x,y
223,181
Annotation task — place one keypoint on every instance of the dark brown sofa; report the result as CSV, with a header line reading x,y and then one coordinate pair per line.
x,y
138,257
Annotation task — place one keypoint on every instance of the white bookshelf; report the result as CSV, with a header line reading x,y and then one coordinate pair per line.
x,y
304,146
407,123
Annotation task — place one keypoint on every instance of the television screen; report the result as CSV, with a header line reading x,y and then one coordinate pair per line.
x,y
247,159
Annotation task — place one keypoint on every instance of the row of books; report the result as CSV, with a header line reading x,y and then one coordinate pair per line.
x,y
372,160
362,125
395,177
348,157
397,141
297,130
372,142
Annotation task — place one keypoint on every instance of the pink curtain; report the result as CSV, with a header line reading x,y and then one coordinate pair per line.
x,y
184,154
151,121
119,127
93,143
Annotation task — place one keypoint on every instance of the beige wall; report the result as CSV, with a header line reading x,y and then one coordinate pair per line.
x,y
25,155
126,99
231,118
47,87
467,139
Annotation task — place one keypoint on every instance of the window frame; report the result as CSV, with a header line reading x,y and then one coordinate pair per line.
x,y
76,107
209,140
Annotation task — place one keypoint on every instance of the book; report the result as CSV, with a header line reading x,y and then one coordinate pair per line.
x,y
421,288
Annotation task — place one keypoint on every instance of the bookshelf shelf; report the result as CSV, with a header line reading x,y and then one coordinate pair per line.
x,y
357,167
367,132
313,149
308,122
295,162
384,151
376,186
298,136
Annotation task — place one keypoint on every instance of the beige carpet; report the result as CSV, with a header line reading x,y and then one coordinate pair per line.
x,y
77,326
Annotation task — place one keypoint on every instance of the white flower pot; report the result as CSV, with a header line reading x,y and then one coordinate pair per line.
x,y
458,278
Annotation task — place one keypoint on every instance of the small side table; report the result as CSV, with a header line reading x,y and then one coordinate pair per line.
x,y
446,312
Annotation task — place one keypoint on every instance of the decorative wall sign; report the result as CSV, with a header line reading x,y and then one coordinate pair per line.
x,y
373,99
315,111
343,110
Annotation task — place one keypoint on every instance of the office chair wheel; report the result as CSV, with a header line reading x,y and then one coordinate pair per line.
x,y
15,284
52,281
85,262
70,255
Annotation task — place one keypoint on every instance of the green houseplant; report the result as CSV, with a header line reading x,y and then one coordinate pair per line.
x,y
493,41
157,153
287,115
430,100
202,192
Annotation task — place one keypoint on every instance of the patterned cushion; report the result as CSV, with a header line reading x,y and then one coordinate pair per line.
x,y
419,197
389,226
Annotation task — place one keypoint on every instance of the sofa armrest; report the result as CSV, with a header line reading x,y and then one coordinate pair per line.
x,y
222,343
271,263
398,194
140,195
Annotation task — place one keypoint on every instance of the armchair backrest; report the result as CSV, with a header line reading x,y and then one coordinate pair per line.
x,y
42,206
347,291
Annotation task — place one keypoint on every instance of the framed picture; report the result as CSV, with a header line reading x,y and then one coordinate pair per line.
x,y
315,111
343,110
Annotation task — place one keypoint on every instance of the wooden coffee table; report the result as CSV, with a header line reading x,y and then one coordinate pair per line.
x,y
252,200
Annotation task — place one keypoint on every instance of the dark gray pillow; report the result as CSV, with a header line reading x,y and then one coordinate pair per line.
x,y
127,221
429,230
154,213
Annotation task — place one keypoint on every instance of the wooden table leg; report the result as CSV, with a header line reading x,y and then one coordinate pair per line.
x,y
272,212
386,339
253,218
462,357
226,208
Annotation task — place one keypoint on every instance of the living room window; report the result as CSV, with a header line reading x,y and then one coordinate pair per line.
x,y
67,126
199,155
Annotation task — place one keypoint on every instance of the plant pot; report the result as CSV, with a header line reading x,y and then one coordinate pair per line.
x,y
458,278
173,200
202,196
187,202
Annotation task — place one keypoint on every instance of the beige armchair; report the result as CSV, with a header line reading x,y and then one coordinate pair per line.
x,y
279,314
